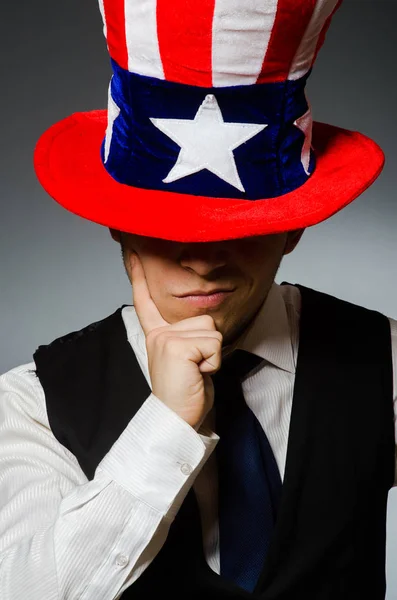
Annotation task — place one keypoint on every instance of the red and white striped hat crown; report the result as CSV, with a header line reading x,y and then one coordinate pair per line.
x,y
217,43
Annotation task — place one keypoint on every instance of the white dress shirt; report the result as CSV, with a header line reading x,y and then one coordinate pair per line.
x,y
62,536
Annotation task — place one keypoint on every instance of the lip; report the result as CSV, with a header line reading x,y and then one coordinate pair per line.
x,y
200,293
206,300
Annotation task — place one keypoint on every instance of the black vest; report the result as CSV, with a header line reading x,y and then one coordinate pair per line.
x,y
329,541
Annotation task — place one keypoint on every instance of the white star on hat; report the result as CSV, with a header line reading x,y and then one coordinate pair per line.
x,y
207,142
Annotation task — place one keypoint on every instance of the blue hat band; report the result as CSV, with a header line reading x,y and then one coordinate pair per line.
x,y
248,142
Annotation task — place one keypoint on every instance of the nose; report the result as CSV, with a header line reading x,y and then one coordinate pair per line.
x,y
204,260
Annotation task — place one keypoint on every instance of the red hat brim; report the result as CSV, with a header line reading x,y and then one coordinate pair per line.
x,y
68,165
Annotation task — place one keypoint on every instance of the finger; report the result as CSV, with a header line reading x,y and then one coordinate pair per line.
x,y
211,355
205,351
191,333
194,323
148,313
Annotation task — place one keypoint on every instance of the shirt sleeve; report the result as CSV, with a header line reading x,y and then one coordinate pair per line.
x,y
393,328
62,536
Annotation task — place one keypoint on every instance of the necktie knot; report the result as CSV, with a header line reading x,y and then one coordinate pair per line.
x,y
239,364
228,379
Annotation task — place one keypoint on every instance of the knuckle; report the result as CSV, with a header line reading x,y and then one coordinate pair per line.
x,y
155,339
217,344
209,321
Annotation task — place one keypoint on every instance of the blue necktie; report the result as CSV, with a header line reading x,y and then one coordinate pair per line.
x,y
248,477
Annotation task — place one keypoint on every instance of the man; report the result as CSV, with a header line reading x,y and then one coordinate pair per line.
x,y
199,444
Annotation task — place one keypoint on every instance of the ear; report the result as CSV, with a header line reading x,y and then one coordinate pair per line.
x,y
115,234
293,240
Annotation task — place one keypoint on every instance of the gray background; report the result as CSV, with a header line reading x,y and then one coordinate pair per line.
x,y
59,272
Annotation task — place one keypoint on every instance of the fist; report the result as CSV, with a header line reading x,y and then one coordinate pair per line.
x,y
181,356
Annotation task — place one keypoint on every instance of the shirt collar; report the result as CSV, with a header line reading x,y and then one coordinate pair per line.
x,y
268,336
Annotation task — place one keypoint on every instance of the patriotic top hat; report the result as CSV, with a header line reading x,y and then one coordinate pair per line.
x,y
208,134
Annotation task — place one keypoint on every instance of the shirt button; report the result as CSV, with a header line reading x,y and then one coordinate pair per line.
x,y
186,469
122,560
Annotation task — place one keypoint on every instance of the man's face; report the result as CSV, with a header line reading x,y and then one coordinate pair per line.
x,y
174,268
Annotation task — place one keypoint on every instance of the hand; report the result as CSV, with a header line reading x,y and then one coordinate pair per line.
x,y
181,356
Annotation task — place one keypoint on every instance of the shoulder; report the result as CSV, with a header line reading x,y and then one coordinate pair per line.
x,y
293,302
20,386
20,378
21,392
293,299
97,327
